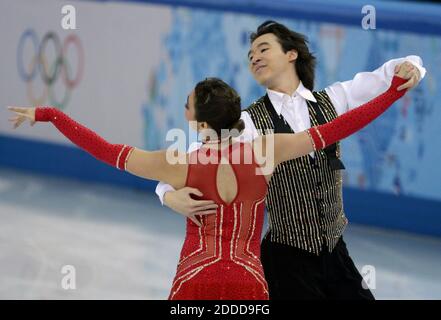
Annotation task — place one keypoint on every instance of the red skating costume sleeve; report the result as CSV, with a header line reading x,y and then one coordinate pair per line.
x,y
354,120
115,155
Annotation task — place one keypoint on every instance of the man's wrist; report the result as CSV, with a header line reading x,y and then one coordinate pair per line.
x,y
164,197
162,189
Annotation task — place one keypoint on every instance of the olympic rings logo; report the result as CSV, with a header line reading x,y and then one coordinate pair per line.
x,y
49,71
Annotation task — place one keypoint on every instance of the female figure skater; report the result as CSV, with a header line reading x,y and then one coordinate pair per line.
x,y
220,259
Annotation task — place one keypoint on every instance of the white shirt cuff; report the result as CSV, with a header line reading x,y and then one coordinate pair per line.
x,y
161,189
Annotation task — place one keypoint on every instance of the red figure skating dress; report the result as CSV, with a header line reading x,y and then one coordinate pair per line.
x,y
221,259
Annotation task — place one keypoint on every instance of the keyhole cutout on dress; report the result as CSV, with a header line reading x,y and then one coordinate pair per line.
x,y
226,182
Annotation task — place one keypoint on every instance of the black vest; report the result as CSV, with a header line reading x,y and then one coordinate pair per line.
x,y
304,201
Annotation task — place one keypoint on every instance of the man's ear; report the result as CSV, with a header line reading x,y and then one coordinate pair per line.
x,y
204,125
292,55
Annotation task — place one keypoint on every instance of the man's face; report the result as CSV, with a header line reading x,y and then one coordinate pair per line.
x,y
267,61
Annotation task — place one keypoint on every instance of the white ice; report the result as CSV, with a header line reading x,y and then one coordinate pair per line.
x,y
125,245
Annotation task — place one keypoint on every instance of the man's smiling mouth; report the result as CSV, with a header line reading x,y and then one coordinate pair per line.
x,y
259,68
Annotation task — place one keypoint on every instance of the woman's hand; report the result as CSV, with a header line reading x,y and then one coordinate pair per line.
x,y
408,71
21,115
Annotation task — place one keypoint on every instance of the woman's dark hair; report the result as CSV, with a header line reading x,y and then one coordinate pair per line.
x,y
219,105
289,40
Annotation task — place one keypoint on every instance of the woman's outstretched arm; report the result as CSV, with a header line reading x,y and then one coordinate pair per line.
x,y
146,164
291,146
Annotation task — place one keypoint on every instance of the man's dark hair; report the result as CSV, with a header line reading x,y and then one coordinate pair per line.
x,y
218,104
289,40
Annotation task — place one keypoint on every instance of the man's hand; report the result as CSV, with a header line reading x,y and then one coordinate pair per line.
x,y
412,74
181,202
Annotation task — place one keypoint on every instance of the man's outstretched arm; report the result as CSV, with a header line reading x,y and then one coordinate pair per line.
x,y
367,85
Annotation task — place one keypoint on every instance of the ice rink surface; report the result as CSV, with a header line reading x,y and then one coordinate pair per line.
x,y
125,245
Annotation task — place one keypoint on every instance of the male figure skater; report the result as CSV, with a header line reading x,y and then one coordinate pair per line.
x,y
303,252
